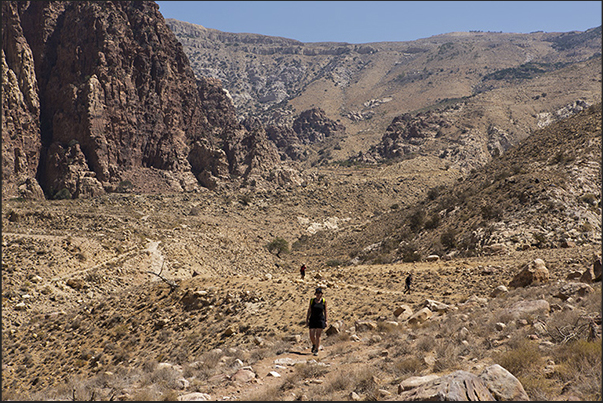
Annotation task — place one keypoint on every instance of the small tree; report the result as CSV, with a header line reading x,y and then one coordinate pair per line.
x,y
278,245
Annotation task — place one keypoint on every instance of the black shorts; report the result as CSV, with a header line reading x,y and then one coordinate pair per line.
x,y
317,323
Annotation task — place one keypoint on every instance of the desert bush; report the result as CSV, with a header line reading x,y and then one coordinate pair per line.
x,y
538,387
340,381
410,253
447,355
388,328
522,357
433,221
416,220
259,354
491,212
425,343
62,194
164,377
579,365
334,263
448,238
272,393
409,365
278,245
310,370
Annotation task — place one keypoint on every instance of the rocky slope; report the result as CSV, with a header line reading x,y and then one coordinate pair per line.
x,y
543,192
177,296
502,86
148,286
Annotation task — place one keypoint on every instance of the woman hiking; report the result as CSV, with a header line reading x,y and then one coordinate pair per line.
x,y
316,319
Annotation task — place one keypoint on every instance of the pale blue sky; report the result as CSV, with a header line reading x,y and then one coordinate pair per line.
x,y
380,21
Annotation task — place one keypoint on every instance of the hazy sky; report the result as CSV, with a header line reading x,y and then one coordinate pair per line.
x,y
379,21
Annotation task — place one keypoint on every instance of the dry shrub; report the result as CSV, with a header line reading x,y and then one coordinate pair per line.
x,y
310,370
538,387
336,339
425,343
389,329
579,363
259,354
365,384
522,357
164,377
272,393
447,355
402,348
409,366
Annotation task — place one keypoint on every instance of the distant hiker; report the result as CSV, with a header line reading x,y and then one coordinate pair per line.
x,y
316,319
302,271
408,283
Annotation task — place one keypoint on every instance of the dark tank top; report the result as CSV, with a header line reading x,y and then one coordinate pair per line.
x,y
317,315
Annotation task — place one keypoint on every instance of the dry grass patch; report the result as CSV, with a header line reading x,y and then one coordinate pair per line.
x,y
579,366
522,357
448,355
409,366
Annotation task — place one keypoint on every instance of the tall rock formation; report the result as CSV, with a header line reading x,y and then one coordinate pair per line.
x,y
21,138
101,94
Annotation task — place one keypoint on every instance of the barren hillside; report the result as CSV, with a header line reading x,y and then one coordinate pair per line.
x,y
177,296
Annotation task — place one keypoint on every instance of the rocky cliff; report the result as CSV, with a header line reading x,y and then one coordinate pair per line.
x,y
99,96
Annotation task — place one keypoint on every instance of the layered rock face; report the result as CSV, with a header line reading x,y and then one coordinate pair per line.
x,y
101,93
21,138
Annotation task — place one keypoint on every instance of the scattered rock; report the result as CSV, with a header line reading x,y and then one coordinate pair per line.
x,y
365,325
535,307
244,375
572,289
435,306
420,316
332,329
76,283
403,312
501,290
194,397
414,381
531,273
502,384
432,258
593,273
459,385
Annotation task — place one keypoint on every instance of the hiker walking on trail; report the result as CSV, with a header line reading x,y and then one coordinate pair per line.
x,y
408,282
302,271
316,319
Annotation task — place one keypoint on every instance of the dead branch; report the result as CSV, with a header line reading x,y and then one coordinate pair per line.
x,y
173,285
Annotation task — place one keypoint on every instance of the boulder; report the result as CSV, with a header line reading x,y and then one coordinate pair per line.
x,y
436,306
403,312
495,249
243,375
415,381
432,258
535,307
571,289
498,291
534,272
365,325
459,385
332,329
194,397
502,384
420,316
194,299
593,273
